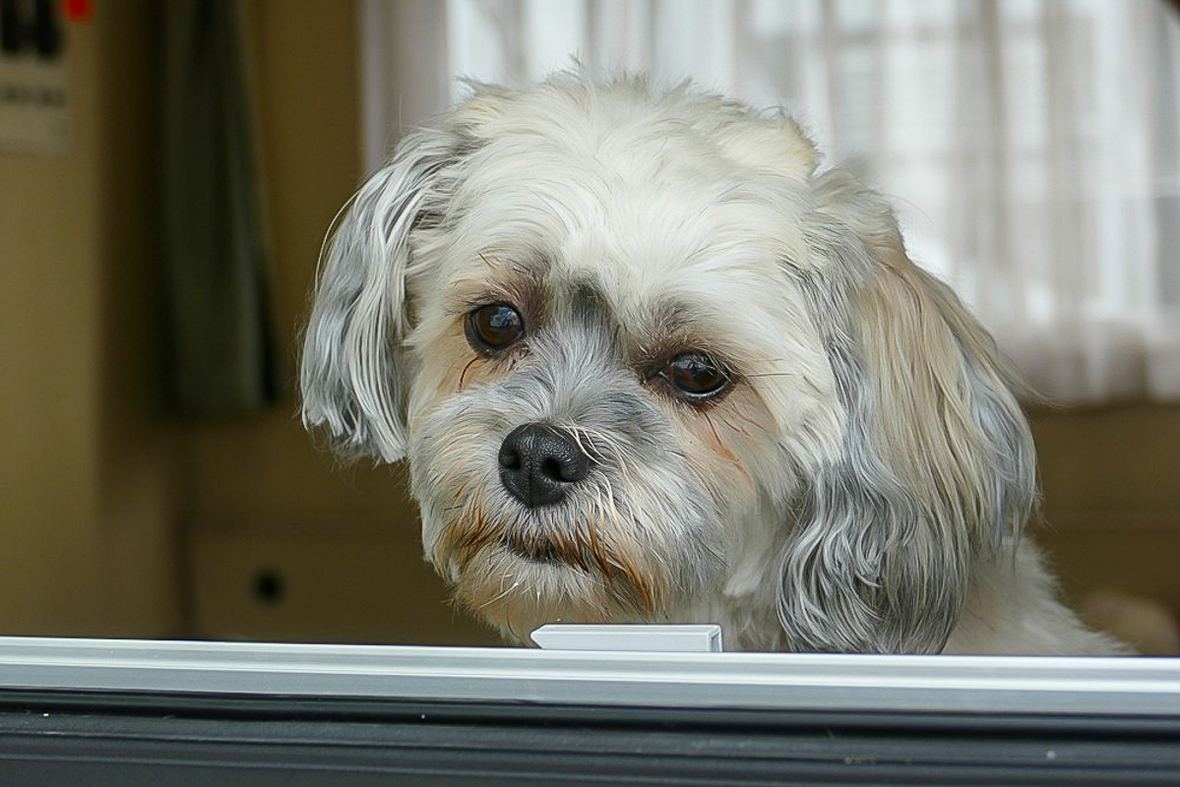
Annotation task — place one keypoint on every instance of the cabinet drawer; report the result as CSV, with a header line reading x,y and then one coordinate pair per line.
x,y
314,588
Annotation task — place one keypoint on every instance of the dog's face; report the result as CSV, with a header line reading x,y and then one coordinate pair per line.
x,y
647,366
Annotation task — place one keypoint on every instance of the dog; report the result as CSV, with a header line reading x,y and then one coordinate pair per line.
x,y
650,364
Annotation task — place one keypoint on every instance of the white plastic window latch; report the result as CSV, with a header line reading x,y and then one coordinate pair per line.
x,y
650,638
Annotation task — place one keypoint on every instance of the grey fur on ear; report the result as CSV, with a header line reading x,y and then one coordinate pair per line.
x,y
938,465
352,377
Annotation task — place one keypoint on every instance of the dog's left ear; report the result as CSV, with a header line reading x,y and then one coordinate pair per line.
x,y
353,377
937,464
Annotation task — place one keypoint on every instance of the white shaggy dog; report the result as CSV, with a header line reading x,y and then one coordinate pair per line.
x,y
649,365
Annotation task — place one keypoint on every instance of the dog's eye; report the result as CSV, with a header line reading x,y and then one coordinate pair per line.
x,y
494,327
695,375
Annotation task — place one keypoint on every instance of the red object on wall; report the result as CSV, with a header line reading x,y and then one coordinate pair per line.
x,y
80,11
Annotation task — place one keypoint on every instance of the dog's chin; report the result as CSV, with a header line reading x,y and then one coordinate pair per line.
x,y
518,585
548,551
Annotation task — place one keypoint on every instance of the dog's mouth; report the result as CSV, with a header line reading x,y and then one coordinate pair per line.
x,y
546,550
558,550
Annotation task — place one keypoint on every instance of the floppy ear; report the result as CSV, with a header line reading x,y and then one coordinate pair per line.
x,y
353,376
937,465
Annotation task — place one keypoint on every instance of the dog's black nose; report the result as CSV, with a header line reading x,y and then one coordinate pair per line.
x,y
539,462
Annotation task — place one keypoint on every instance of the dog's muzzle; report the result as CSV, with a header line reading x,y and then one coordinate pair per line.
x,y
539,463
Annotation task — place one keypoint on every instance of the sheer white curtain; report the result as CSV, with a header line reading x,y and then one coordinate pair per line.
x,y
1032,147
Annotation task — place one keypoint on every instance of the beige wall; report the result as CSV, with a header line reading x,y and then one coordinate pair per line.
x,y
85,456
1111,479
118,519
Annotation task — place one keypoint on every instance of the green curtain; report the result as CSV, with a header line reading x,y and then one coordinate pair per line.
x,y
223,354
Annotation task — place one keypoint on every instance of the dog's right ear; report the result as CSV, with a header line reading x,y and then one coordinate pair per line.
x,y
353,378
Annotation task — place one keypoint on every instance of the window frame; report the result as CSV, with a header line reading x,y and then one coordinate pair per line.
x,y
233,713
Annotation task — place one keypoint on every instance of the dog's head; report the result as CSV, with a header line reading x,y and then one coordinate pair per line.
x,y
648,365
